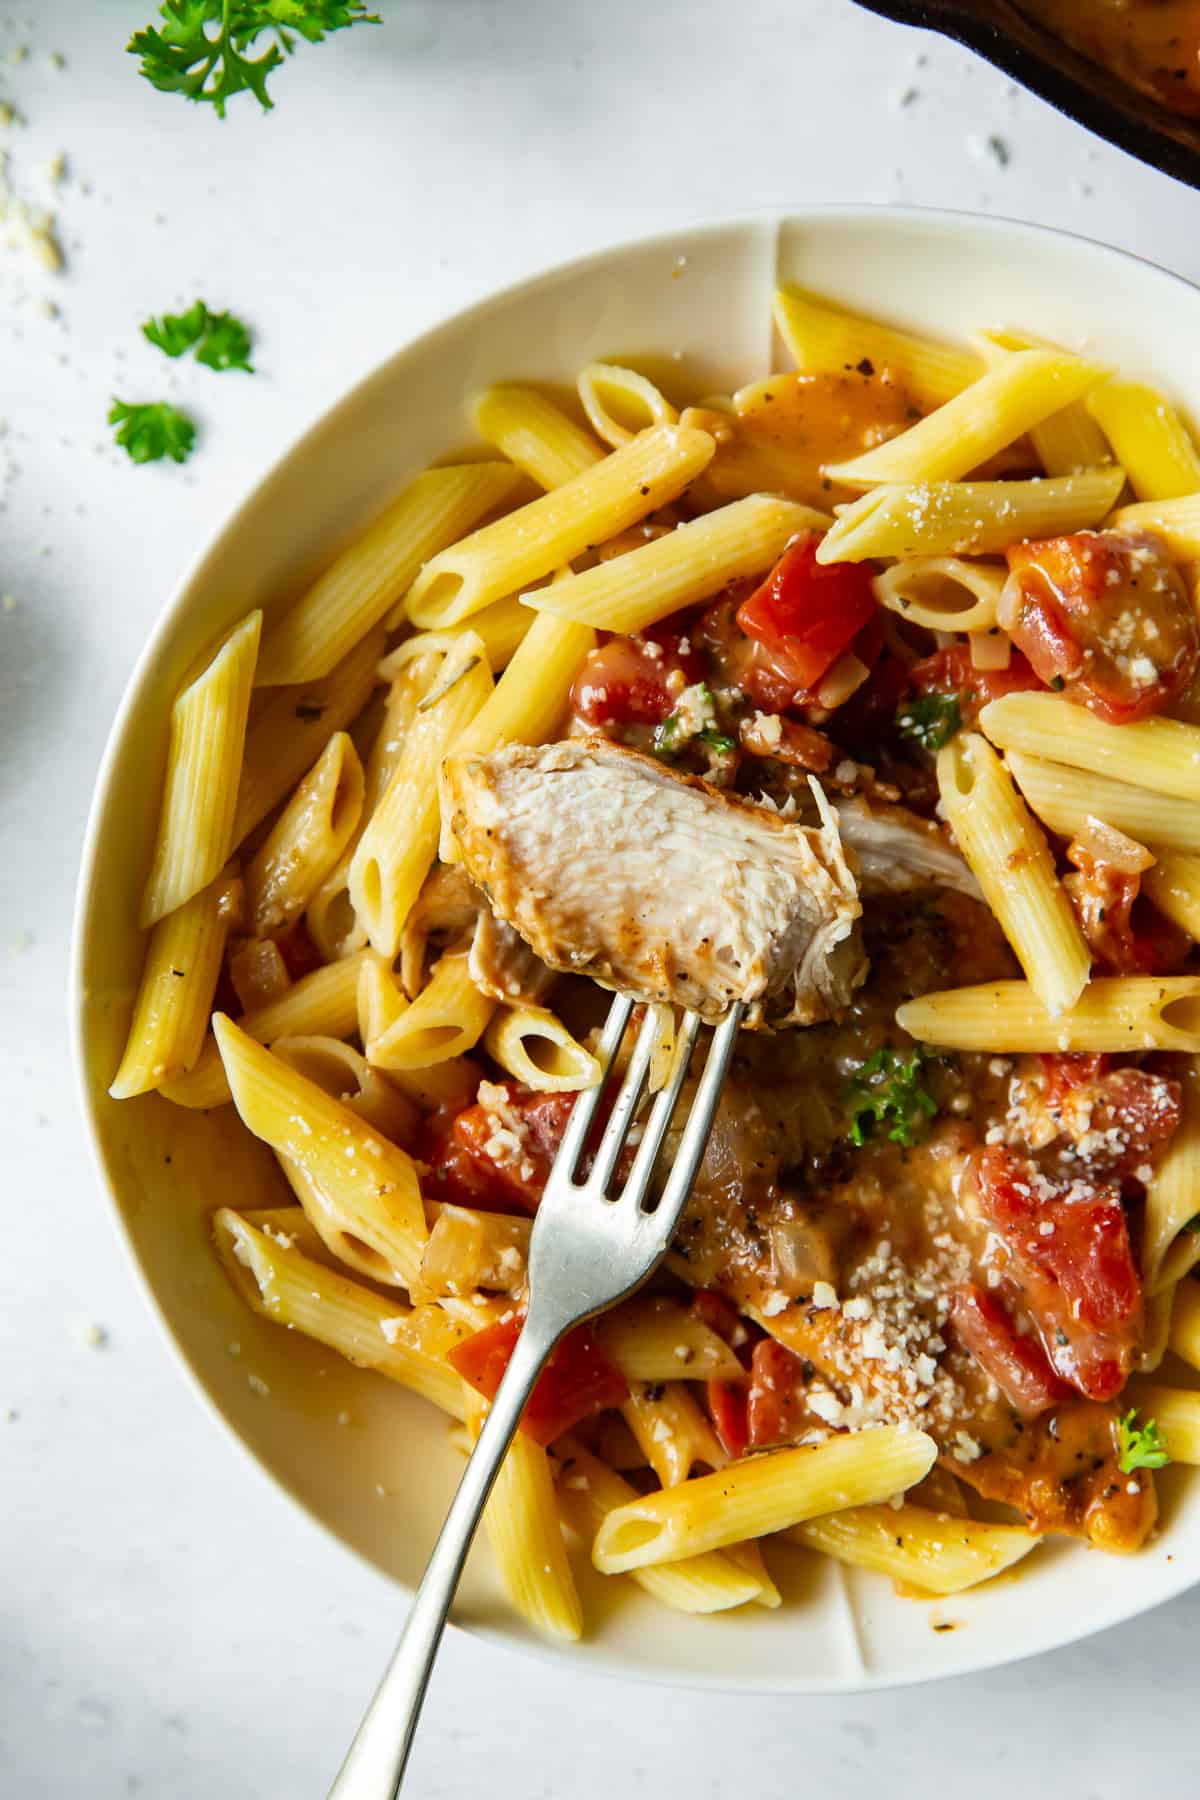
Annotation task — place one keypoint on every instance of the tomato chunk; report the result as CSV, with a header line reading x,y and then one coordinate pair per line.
x,y
729,1409
1111,1121
474,1165
578,1380
1106,617
950,671
1072,1260
775,1408
1018,1365
626,681
805,614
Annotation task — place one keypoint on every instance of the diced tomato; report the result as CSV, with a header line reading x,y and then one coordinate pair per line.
x,y
1106,617
950,671
624,681
805,614
464,1170
1018,1365
1122,1118
718,1313
1071,1254
578,1380
775,1409
1062,1073
729,1409
300,955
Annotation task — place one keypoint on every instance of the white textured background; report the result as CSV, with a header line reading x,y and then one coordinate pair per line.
x,y
168,1625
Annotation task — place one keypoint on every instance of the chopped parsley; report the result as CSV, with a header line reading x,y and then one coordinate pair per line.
x,y
199,48
694,720
152,430
1142,1447
887,1091
1193,1224
220,340
930,721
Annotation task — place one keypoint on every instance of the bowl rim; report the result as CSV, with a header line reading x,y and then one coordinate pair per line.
x,y
608,1664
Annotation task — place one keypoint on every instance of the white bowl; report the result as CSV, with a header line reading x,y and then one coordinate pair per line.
x,y
698,302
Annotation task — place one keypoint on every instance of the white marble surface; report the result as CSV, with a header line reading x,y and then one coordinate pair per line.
x,y
168,1625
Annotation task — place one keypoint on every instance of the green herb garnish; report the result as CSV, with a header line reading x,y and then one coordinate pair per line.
x,y
153,430
887,1091
200,47
1142,1447
930,721
220,340
1193,1224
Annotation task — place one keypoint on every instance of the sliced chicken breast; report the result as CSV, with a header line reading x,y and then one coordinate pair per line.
x,y
656,884
896,851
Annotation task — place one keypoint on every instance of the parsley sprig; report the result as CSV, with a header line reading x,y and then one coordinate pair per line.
x,y
931,720
887,1091
1141,1447
152,430
220,340
201,47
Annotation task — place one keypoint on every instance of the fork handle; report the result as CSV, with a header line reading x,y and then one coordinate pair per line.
x,y
375,1763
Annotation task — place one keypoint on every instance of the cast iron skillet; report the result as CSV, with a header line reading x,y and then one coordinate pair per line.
x,y
998,30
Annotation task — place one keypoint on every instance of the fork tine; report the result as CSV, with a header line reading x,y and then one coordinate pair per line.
x,y
584,1109
616,1131
694,1137
663,1110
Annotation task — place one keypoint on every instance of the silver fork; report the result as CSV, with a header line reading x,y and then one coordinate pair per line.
x,y
587,1250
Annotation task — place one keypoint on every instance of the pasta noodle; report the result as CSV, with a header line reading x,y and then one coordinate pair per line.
x,y
653,1339
691,563
1177,522
170,1015
760,1495
939,1554
469,1250
1148,439
1176,1412
1066,798
378,568
1184,1337
1069,440
942,593
1018,393
1161,754
536,435
1113,1014
380,1004
825,339
619,402
448,1018
967,518
1173,883
671,1431
307,840
516,551
535,1047
345,1073
1011,860
499,628
208,732
1170,1246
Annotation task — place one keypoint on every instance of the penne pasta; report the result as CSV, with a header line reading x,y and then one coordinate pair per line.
x,y
589,1490
1176,1412
1069,440
294,725
689,564
1173,884
531,1044
1148,438
280,1282
1018,393
380,1002
653,1339
670,1430
344,1072
1170,1242
1156,1329
1113,1014
400,839
967,518
942,593
1066,798
1184,1335
1177,522
499,627
307,840
525,1533
204,758
536,434
824,339
324,1003
530,698
929,1550
378,568
174,999
1007,852
359,1183
762,1494
509,555
469,1250
1160,754
448,1018
619,402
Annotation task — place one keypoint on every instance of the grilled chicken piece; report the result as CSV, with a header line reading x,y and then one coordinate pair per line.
x,y
501,963
450,910
657,884
897,851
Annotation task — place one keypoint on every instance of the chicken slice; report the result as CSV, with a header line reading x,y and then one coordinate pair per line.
x,y
657,884
896,851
